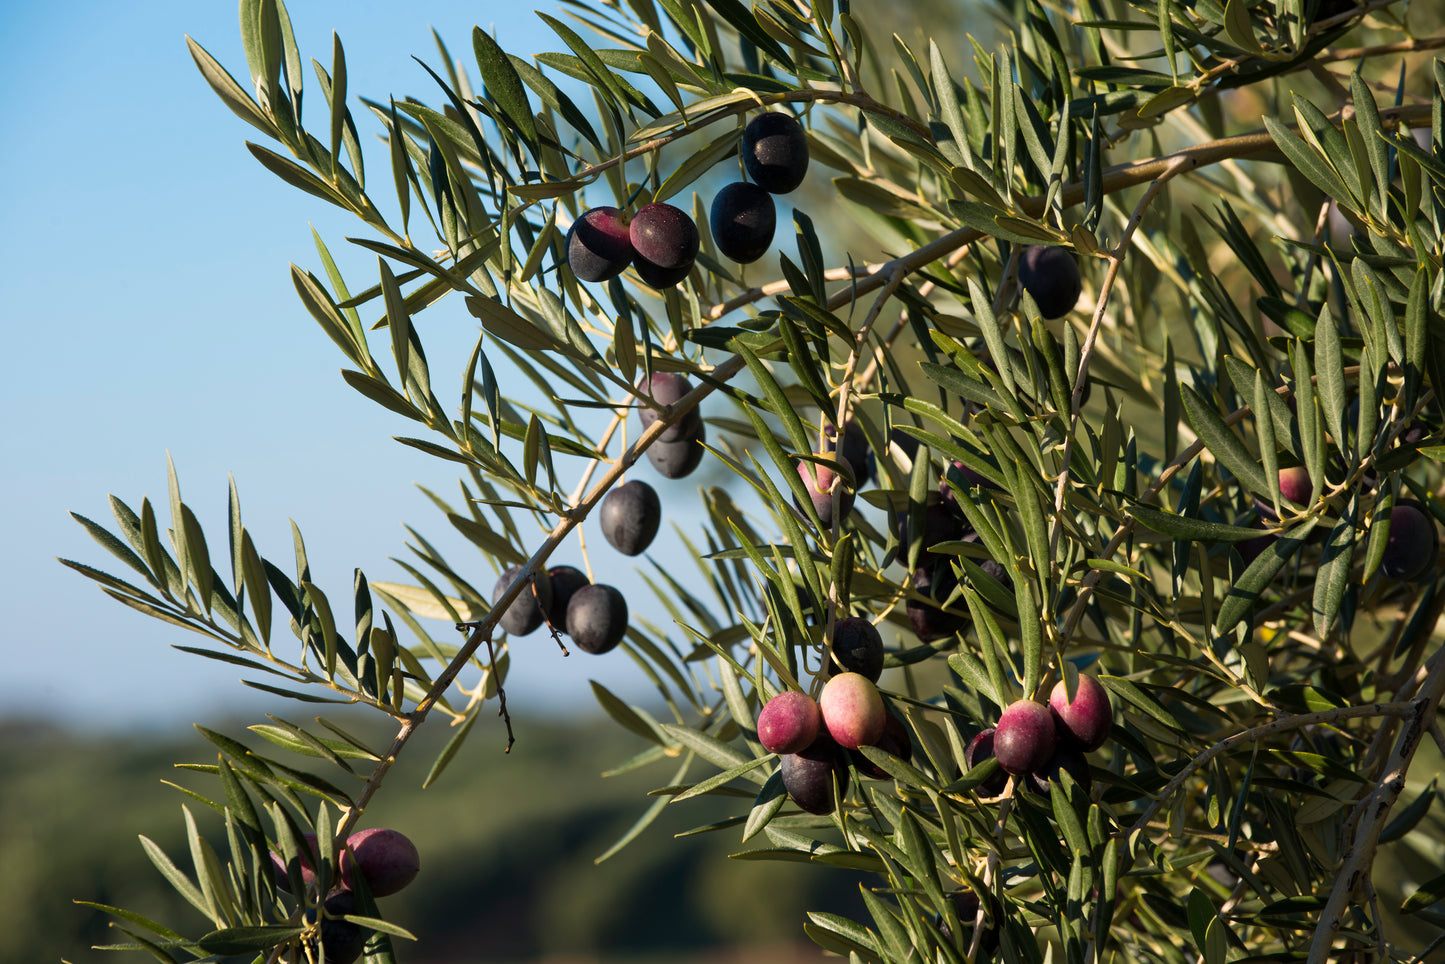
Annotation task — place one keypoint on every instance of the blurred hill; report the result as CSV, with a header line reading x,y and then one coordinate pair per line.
x,y
508,844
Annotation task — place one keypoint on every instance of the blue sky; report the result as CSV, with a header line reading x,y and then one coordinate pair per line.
x,y
148,310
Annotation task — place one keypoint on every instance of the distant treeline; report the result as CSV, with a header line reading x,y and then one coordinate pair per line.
x,y
506,875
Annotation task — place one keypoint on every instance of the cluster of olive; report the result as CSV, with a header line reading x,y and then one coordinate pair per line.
x,y
595,615
661,240
818,739
385,860
1036,741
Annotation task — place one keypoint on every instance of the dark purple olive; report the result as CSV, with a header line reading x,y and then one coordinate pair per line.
x,y
819,482
743,218
1413,543
341,940
979,749
565,581
808,775
675,460
789,722
598,245
940,525
307,861
1066,759
856,452
936,580
894,741
1051,275
1084,721
664,244
630,516
905,442
775,152
1295,484
1025,738
965,908
597,618
386,859
857,647
668,388
525,613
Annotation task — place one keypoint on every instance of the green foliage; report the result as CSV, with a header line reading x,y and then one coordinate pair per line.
x,y
1272,699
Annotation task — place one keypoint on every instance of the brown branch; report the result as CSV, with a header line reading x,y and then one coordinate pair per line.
x,y
1354,870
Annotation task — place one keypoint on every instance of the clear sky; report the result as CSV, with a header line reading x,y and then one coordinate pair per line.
x,y
147,309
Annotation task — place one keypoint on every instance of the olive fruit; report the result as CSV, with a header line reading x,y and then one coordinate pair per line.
x,y
341,940
965,908
939,525
668,388
307,860
1412,544
789,722
1066,759
894,742
808,775
934,579
979,749
526,611
856,453
1085,720
598,245
906,443
565,581
386,859
775,152
853,710
1024,739
675,460
597,618
857,647
664,244
818,482
630,515
1295,484
1051,275
743,218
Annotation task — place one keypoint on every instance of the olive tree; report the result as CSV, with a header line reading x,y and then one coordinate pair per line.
x,y
1066,550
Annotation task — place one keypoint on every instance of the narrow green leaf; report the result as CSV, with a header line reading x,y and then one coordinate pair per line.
x,y
177,878
628,717
1334,571
770,800
648,816
503,83
1187,527
725,777
1221,441
243,940
232,94
296,175
1251,584
708,747
697,164
1136,697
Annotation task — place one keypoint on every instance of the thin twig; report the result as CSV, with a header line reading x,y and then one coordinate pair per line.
x,y
1254,733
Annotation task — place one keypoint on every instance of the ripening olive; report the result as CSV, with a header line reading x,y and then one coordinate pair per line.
x,y
598,245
